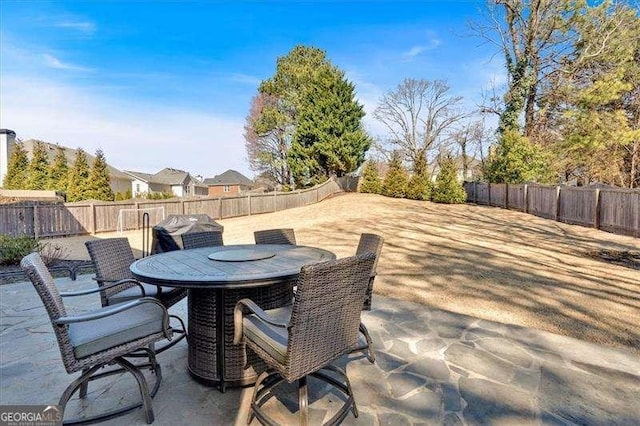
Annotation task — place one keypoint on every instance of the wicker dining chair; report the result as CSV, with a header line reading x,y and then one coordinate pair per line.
x,y
96,339
202,239
320,326
275,236
369,243
111,258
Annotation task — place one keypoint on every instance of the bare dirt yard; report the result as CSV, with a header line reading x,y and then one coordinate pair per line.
x,y
486,262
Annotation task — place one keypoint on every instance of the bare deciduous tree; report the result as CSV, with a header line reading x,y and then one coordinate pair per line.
x,y
470,140
266,142
418,114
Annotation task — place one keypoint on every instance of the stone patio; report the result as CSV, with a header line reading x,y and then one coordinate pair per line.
x,y
433,367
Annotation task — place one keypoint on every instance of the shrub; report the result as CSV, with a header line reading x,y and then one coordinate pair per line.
x,y
371,182
13,249
447,188
395,181
419,185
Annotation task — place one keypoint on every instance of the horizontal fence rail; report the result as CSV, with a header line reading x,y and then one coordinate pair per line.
x,y
609,209
57,219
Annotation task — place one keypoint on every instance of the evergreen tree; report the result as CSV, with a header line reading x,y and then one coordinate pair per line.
x,y
307,114
419,185
371,182
38,170
127,194
395,181
58,171
516,160
329,138
99,187
78,181
17,168
447,188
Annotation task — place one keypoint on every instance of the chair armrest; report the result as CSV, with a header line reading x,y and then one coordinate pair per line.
x,y
104,287
247,305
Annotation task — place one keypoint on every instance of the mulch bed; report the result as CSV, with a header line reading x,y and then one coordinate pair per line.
x,y
630,259
62,268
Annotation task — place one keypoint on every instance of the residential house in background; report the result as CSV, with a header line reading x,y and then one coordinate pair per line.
x,y
119,181
474,169
168,180
228,183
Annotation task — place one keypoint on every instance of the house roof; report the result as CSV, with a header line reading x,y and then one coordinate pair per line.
x,y
169,176
230,177
145,177
70,153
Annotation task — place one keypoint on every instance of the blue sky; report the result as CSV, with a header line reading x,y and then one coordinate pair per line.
x,y
169,84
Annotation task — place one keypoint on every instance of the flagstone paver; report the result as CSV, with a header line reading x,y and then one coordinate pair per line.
x,y
432,367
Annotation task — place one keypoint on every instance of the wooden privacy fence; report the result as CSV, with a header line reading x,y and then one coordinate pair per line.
x,y
55,219
612,210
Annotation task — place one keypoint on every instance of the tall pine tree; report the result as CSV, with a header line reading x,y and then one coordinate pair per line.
x,y
78,182
58,171
329,138
38,171
99,187
395,181
17,168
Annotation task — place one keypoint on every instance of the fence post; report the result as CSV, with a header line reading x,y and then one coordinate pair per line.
x,y
475,192
182,206
526,198
93,218
275,204
557,204
137,207
220,207
489,193
506,196
249,202
36,221
596,221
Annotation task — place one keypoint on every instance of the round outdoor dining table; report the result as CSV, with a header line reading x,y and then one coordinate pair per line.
x,y
217,277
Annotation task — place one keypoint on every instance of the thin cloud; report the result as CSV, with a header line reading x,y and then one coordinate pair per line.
x,y
416,51
245,79
85,27
413,52
52,62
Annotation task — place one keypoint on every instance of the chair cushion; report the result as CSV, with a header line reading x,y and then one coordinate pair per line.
x,y
133,293
270,338
91,337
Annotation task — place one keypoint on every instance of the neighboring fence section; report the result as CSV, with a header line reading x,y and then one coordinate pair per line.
x,y
612,210
51,219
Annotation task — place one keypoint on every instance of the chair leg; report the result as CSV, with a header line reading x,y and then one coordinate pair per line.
x,y
303,401
370,354
125,366
261,378
142,384
84,387
77,383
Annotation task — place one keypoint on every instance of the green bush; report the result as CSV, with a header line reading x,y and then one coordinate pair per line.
x,y
447,188
371,182
419,185
13,249
395,181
